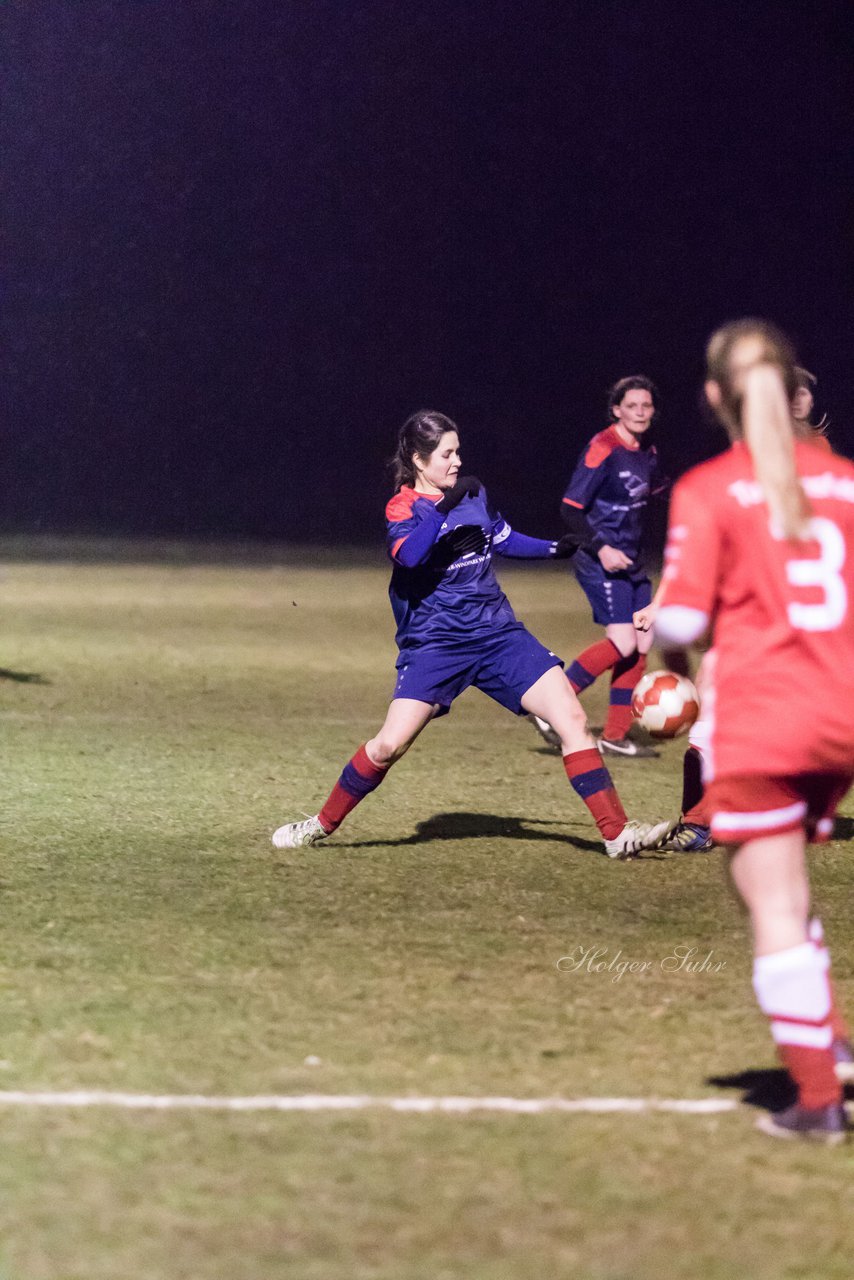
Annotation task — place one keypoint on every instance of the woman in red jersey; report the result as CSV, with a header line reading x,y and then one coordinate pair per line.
x,y
761,544
692,835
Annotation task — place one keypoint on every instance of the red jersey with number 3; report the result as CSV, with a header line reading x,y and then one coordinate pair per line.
x,y
782,613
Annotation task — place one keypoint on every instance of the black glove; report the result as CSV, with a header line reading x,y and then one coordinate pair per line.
x,y
565,546
465,486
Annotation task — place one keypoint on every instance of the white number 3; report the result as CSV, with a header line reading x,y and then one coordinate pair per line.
x,y
824,573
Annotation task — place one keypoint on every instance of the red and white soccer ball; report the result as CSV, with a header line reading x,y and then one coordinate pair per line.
x,y
664,704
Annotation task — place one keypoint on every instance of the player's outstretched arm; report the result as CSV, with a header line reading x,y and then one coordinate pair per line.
x,y
519,546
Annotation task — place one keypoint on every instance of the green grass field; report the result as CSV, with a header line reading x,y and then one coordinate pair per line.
x,y
159,720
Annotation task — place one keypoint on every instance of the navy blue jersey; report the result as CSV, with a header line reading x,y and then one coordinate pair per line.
x,y
453,594
612,485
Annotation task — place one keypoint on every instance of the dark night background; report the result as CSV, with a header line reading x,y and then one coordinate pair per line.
x,y
245,240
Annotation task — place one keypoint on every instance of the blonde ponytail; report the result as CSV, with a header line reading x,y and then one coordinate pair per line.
x,y
766,422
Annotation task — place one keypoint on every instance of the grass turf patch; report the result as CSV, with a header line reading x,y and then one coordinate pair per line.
x,y
159,721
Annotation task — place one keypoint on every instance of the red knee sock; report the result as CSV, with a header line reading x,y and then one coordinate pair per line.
x,y
624,677
360,776
592,782
590,664
792,990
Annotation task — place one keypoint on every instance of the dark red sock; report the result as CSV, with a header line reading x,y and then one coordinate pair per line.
x,y
593,662
592,782
624,677
677,661
693,792
360,776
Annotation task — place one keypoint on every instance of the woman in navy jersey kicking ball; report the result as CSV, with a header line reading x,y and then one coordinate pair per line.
x,y
604,508
455,628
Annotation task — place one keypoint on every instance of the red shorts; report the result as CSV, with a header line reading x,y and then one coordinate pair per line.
x,y
746,806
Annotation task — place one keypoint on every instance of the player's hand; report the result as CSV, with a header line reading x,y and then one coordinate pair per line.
x,y
464,486
566,546
644,619
613,560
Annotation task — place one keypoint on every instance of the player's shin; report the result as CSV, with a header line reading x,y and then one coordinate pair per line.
x,y
592,782
359,778
592,663
625,675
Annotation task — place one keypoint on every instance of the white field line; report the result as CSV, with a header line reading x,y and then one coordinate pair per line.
x,y
359,1102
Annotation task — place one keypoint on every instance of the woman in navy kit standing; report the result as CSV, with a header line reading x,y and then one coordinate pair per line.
x,y
604,508
455,628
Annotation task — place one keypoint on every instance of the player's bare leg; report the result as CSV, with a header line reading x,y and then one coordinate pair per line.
x,y
404,721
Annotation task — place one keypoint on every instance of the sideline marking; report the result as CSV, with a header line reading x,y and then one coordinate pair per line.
x,y
358,1102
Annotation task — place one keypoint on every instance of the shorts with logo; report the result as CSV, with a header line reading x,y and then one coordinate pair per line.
x,y
504,666
614,597
745,807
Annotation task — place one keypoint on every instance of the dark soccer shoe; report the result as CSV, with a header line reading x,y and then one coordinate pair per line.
x,y
819,1124
689,837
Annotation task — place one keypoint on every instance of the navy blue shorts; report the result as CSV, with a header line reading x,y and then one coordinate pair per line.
x,y
614,597
503,666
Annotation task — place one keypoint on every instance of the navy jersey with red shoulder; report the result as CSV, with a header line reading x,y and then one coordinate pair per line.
x,y
453,595
612,484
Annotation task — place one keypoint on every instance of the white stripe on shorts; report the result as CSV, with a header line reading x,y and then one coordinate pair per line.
x,y
760,821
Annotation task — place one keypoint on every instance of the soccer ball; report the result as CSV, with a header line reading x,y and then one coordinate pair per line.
x,y
664,704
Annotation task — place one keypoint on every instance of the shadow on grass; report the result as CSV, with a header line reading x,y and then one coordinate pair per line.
x,y
476,826
23,677
484,826
771,1088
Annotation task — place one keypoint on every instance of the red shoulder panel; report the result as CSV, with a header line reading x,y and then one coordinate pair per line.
x,y
601,446
400,506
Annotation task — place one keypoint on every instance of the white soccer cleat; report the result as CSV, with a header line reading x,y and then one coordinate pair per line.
x,y
637,836
294,835
629,747
545,730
